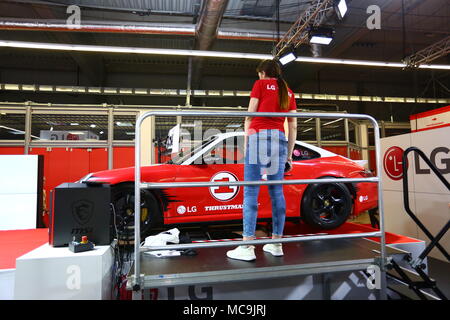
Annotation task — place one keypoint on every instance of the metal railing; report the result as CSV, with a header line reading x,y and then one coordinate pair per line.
x,y
137,280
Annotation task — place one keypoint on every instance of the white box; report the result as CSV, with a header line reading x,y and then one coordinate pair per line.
x,y
48,273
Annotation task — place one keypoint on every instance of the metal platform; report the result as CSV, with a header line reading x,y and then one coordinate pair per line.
x,y
211,265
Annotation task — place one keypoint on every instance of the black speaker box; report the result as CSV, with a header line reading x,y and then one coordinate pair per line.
x,y
80,210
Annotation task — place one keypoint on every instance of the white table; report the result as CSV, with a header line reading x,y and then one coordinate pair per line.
x,y
49,273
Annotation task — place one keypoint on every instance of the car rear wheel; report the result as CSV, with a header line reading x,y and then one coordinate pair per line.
x,y
123,202
326,206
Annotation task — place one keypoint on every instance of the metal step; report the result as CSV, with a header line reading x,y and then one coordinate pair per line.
x,y
415,277
404,290
397,284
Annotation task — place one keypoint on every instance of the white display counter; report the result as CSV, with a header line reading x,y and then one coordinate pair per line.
x,y
48,273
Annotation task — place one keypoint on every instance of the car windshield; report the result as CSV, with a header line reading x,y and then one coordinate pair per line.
x,y
190,151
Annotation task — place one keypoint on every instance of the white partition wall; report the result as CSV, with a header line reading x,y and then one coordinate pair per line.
x,y
18,191
429,199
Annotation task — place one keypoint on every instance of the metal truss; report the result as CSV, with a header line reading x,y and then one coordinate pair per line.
x,y
298,33
430,53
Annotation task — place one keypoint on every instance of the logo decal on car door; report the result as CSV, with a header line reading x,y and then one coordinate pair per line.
x,y
224,193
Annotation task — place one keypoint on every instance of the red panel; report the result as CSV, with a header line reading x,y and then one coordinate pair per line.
x,y
11,150
58,159
372,163
338,150
98,160
355,154
78,164
123,157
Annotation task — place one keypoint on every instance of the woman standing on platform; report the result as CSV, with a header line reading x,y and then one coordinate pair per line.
x,y
267,151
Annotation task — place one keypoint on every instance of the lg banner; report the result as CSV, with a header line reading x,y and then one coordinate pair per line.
x,y
429,199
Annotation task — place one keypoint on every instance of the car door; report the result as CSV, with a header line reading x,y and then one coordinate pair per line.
x,y
221,162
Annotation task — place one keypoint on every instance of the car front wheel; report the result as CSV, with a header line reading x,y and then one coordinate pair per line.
x,y
123,202
326,206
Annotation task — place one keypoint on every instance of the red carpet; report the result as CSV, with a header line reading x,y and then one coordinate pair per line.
x,y
302,228
16,243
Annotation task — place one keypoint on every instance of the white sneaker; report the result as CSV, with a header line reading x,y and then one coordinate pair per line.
x,y
276,249
246,253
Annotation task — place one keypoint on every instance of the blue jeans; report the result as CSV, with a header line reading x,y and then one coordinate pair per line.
x,y
266,154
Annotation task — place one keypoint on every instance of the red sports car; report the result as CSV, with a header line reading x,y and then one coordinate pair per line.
x,y
220,158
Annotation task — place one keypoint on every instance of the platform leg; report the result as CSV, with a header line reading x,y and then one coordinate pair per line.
x,y
137,295
382,293
326,290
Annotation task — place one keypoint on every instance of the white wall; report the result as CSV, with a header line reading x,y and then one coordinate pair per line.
x,y
18,191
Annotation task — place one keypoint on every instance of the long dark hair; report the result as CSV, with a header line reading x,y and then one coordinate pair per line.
x,y
273,70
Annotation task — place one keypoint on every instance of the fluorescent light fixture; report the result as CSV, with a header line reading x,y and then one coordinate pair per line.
x,y
188,125
74,124
355,62
101,132
130,133
289,57
308,120
124,124
334,121
199,53
341,8
309,129
93,125
320,40
233,125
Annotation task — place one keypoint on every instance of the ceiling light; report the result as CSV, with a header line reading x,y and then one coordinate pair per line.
x,y
124,124
101,132
341,8
233,125
188,125
287,56
93,125
334,121
198,53
321,35
320,40
74,124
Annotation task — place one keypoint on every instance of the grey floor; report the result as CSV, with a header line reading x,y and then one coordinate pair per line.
x,y
440,271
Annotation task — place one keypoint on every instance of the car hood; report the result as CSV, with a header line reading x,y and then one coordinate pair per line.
x,y
152,173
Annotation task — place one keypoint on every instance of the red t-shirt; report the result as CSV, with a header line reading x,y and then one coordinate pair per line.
x,y
266,91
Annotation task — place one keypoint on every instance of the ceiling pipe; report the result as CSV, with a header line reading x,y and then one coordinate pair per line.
x,y
209,23
156,29
206,32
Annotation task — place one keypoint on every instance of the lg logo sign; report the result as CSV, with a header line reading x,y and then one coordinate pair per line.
x,y
392,162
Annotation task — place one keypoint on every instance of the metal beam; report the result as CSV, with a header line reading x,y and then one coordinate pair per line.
x,y
298,33
430,53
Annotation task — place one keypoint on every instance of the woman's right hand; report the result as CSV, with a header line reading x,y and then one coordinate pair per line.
x,y
288,166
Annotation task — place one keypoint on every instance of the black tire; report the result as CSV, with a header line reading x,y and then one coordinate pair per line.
x,y
122,198
326,206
